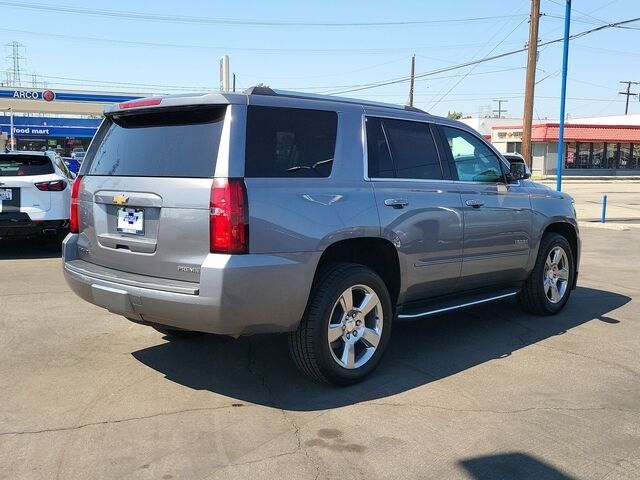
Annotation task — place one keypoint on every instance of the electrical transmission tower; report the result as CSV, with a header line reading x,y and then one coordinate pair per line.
x,y
14,63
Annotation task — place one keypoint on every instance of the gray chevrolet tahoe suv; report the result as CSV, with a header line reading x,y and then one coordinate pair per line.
x,y
324,217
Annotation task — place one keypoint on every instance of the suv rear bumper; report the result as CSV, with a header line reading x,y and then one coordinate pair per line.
x,y
20,225
237,294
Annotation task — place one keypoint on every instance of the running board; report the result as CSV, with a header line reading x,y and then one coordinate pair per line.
x,y
448,306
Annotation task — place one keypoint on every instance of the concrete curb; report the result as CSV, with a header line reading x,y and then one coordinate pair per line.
x,y
608,226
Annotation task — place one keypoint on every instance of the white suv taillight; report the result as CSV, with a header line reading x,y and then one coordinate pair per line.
x,y
74,215
228,216
55,186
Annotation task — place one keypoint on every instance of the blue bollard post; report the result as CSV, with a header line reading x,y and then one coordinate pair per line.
x,y
604,209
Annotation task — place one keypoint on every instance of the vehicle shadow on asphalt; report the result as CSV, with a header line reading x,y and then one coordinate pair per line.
x,y
511,465
259,370
25,249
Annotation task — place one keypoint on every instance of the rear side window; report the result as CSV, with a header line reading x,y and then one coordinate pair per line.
x,y
401,149
161,143
380,164
290,142
19,165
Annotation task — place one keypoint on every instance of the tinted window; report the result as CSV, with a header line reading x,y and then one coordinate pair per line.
x,y
413,150
290,142
473,159
14,165
178,143
378,154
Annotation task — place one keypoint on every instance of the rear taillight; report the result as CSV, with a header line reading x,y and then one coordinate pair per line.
x,y
55,186
228,216
74,214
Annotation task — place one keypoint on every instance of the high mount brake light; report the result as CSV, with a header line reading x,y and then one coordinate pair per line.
x,y
228,216
144,102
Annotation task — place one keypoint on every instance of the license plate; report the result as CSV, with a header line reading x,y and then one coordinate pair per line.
x,y
131,220
6,194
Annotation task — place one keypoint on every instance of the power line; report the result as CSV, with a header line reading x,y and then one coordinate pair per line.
x,y
119,14
435,104
482,60
301,51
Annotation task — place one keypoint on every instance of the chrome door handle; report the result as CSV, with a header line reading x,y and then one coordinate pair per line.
x,y
396,202
474,203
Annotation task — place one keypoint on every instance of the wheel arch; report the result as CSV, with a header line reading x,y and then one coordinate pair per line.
x,y
570,232
376,253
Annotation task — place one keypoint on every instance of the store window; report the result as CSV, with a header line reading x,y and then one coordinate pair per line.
x,y
570,155
635,155
624,159
612,154
583,155
514,147
597,155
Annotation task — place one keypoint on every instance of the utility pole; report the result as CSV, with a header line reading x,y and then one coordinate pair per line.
x,y
628,93
234,83
412,80
530,82
500,110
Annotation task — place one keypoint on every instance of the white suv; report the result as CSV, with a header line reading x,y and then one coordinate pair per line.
x,y
35,190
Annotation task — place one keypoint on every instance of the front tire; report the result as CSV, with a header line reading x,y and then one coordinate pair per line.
x,y
548,288
346,326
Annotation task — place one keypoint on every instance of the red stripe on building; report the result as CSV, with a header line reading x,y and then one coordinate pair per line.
x,y
548,132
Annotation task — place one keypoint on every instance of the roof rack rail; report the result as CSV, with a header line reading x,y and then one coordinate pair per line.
x,y
260,90
413,109
264,90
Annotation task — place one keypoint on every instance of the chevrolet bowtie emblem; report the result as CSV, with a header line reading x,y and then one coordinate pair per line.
x,y
120,199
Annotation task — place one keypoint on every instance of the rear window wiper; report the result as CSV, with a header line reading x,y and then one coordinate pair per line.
x,y
312,167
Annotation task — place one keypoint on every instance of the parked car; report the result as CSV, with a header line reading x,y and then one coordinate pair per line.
x,y
73,164
77,151
323,217
517,162
35,190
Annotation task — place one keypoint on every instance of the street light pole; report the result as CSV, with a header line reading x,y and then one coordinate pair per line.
x,y
563,93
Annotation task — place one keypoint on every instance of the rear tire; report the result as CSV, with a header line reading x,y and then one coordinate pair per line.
x,y
548,287
176,332
346,326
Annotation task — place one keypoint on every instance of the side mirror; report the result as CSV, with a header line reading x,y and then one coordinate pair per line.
x,y
519,171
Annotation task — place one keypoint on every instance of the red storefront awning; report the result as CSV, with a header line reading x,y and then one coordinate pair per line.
x,y
548,132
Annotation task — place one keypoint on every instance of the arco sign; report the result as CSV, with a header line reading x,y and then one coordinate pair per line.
x,y
46,95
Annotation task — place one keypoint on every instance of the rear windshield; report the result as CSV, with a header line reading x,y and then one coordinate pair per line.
x,y
290,142
162,143
18,165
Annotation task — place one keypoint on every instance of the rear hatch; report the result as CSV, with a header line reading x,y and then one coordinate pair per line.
x,y
145,191
19,174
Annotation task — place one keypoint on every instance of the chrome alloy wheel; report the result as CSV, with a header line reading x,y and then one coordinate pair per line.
x,y
556,275
355,326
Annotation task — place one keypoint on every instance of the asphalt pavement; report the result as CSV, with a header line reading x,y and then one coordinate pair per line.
x,y
483,394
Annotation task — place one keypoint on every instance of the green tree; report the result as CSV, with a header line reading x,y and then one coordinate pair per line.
x,y
454,115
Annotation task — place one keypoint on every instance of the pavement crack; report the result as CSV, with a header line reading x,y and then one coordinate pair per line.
x,y
116,421
502,412
589,357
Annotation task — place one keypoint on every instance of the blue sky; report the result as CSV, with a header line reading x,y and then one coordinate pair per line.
x,y
112,52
